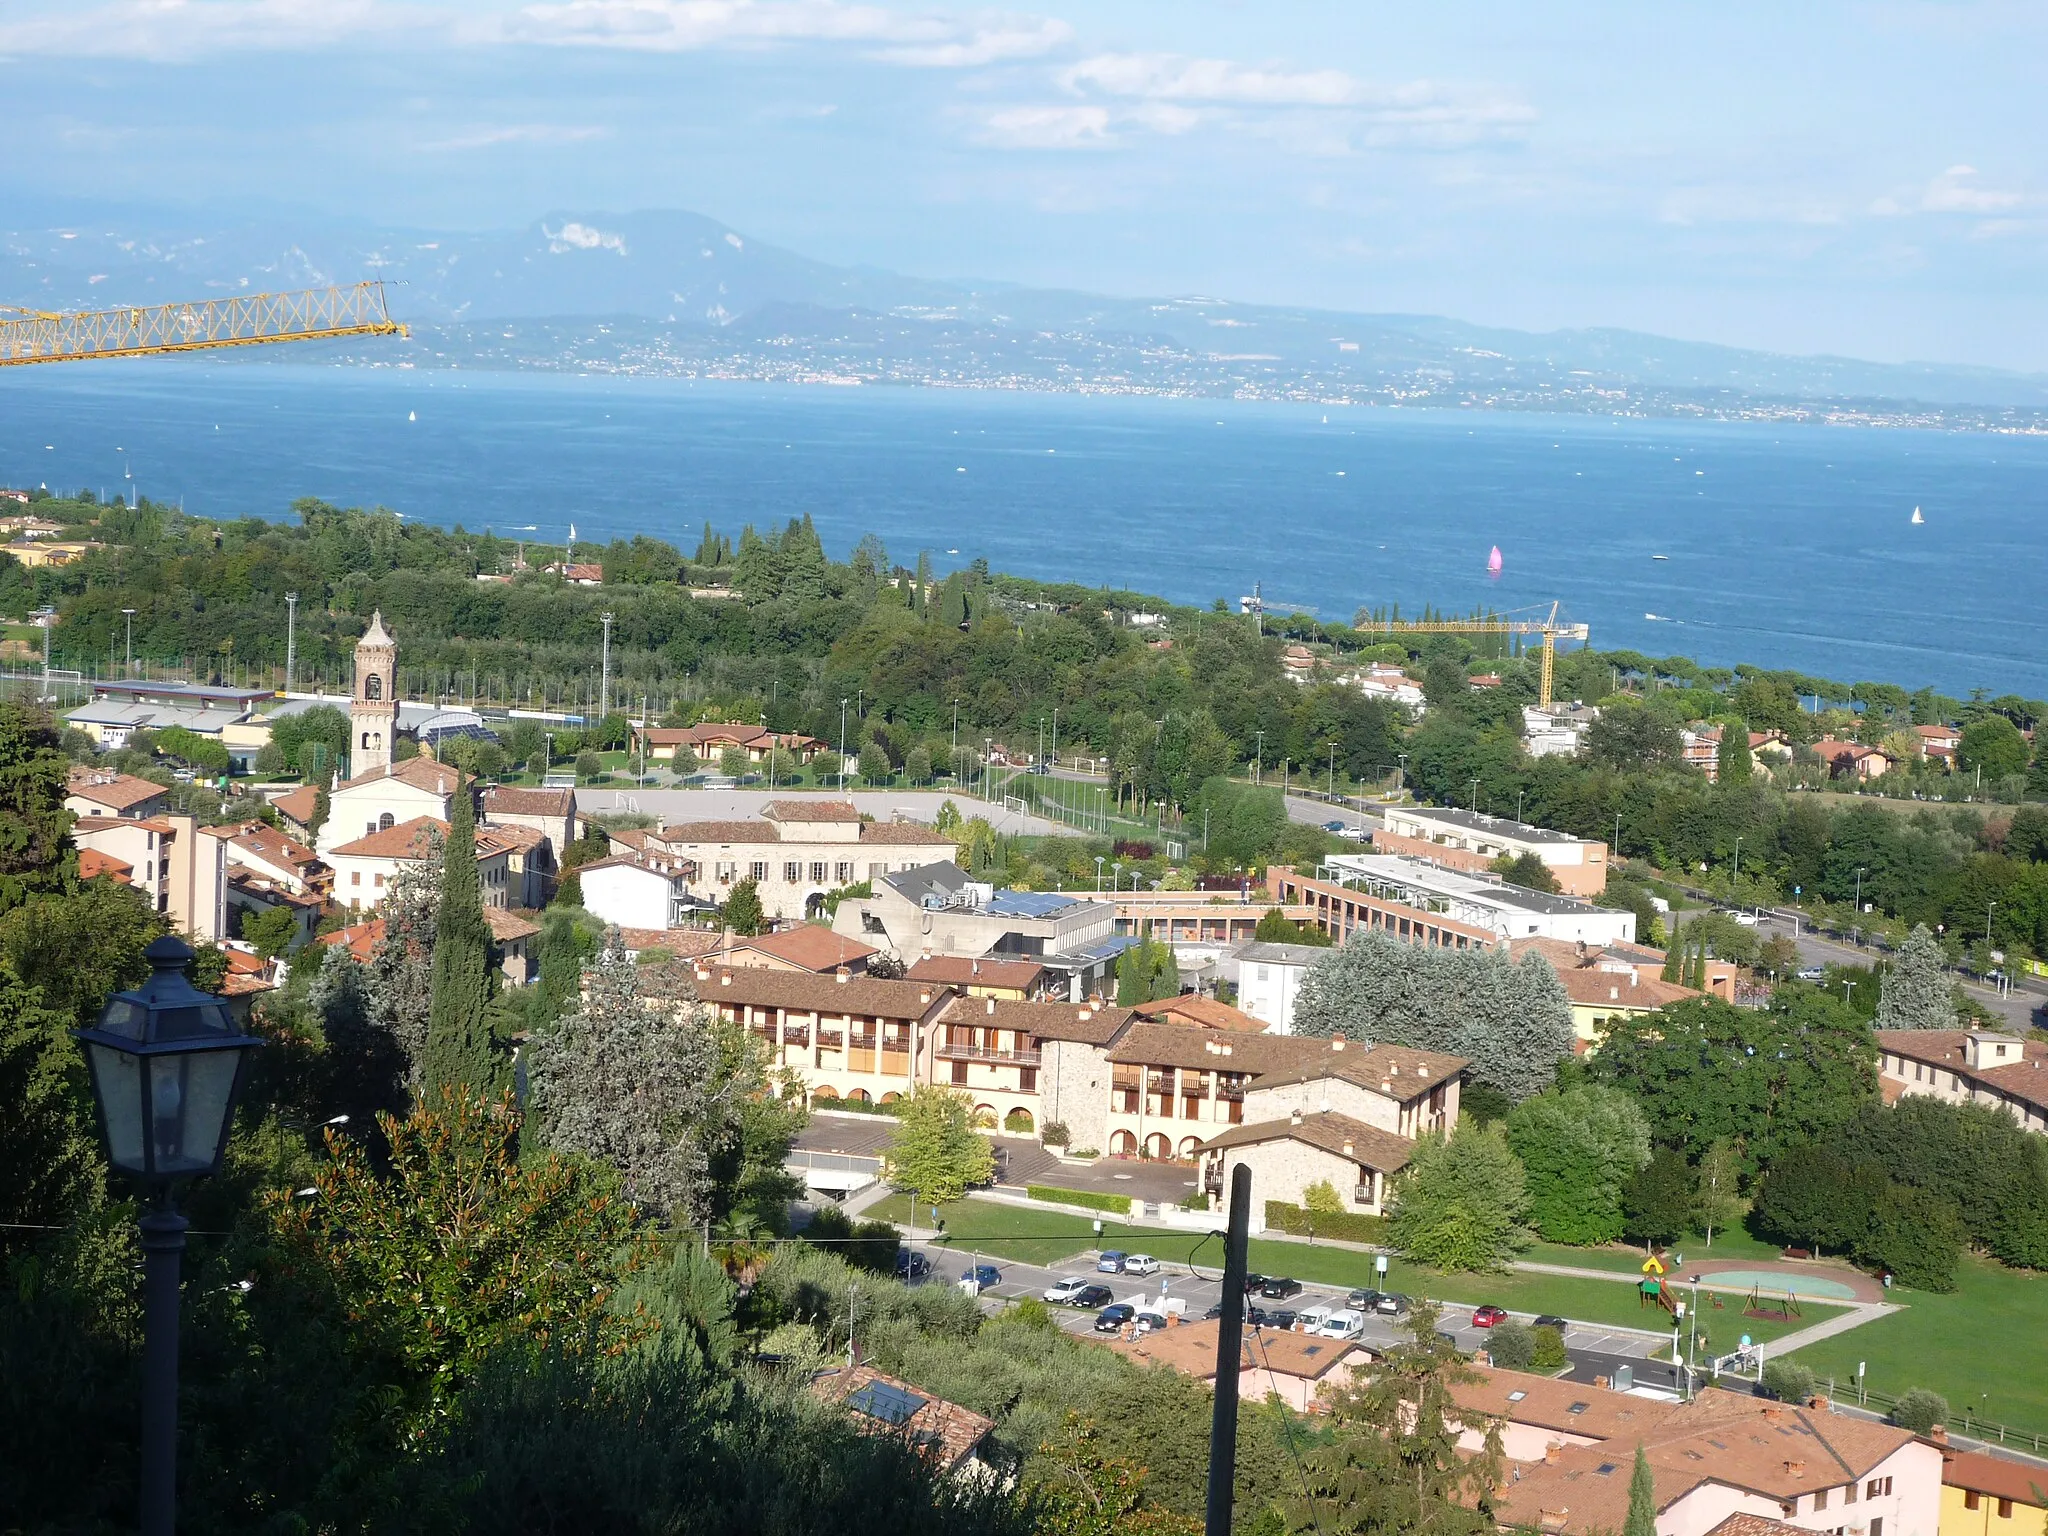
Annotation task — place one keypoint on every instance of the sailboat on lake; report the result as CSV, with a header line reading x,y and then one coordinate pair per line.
x,y
1918,520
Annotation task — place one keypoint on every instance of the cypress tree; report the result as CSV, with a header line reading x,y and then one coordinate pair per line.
x,y
459,1050
1642,1499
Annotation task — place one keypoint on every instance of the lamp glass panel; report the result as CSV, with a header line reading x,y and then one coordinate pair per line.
x,y
118,1076
125,1016
188,1108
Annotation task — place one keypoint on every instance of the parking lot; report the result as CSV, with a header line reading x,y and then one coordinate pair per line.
x,y
1202,1288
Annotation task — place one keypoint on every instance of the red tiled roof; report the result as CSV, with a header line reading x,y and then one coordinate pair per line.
x,y
507,925
2002,1479
408,840
1082,1023
721,832
2025,1079
420,772
1329,1132
905,834
802,992
683,943
811,947
92,862
102,786
944,1433
812,810
957,971
300,804
507,800
1190,1348
1193,1008
362,939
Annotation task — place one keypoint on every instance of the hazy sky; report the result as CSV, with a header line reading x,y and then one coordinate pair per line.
x,y
1802,175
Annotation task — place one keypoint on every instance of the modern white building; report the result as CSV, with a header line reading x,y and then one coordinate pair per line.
x,y
1558,731
1268,979
1469,841
1508,911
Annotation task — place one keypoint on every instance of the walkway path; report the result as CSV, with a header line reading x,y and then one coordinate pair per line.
x,y
1850,1317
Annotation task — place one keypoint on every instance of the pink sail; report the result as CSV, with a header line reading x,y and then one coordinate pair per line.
x,y
1493,562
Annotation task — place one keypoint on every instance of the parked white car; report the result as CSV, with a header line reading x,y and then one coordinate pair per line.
x,y
1063,1294
1141,1264
1342,1325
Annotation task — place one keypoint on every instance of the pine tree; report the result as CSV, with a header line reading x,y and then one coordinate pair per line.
x,y
36,857
1642,1499
1915,992
458,1051
1732,762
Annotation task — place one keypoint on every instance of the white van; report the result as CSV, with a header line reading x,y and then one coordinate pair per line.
x,y
1342,1325
1313,1319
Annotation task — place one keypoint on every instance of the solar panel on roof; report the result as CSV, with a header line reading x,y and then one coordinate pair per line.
x,y
885,1401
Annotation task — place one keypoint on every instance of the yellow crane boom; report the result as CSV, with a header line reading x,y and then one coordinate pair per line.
x,y
1549,628
254,319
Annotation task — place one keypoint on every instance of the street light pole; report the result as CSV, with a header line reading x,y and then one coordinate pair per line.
x,y
1475,797
291,637
604,687
1259,762
842,746
1859,889
129,615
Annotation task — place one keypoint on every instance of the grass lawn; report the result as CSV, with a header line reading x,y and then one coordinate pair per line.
x,y
1045,1237
1980,1346
1731,1244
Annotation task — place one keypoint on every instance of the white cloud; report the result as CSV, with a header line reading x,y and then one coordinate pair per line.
x,y
678,26
582,237
181,29
1956,190
1173,77
518,133
1047,127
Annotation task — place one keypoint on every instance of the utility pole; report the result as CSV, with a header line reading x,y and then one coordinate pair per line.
x,y
1475,797
842,746
291,636
1229,1353
954,761
49,617
129,615
1259,761
604,687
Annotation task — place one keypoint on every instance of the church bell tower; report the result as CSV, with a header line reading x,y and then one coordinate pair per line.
x,y
373,712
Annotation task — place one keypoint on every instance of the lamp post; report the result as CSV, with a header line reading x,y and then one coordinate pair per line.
x,y
129,615
166,1061
1859,890
1098,874
1738,858
842,746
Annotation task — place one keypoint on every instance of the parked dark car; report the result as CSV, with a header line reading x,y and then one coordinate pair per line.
x,y
1110,1319
980,1277
1551,1320
1111,1261
1281,1321
1213,1313
1279,1288
1393,1304
1252,1282
912,1266
1363,1301
1094,1296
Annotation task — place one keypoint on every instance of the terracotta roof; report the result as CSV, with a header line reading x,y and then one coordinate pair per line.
x,y
247,974
1996,1476
906,833
1193,1008
105,787
505,800
1190,1348
812,810
267,843
1338,1134
511,836
801,992
92,862
721,832
507,925
408,840
2025,1079
242,878
654,865
299,804
811,947
362,939
1754,1525
944,1433
1776,1451
1548,1403
1592,987
1083,1023
683,943
952,970
420,772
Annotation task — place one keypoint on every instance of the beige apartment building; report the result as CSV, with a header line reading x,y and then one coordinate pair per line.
x,y
1967,1066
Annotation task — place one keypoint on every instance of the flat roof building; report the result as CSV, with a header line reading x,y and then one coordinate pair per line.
x,y
1469,841
1508,911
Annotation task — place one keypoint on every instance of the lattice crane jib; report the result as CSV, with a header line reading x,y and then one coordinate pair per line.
x,y
149,330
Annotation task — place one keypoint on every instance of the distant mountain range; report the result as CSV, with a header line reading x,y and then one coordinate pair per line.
x,y
680,294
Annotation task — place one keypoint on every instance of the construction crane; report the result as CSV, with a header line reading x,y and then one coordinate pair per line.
x,y
1549,628
255,319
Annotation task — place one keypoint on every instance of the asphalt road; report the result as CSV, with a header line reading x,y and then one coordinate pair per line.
x,y
1202,1289
2017,1007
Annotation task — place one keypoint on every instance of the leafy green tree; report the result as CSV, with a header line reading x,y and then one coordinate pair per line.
x,y
936,1156
742,912
1511,1020
1658,1201
78,947
1390,1462
1788,1381
733,762
1322,1201
312,739
49,1158
589,767
1462,1202
1717,1195
455,1248
36,856
1245,823
826,766
459,1052
629,1083
948,818
271,931
1511,1346
1550,1352
1079,1490
1632,739
1994,746
1733,765
1581,1149
1916,991
1920,1410
874,763
271,761
1526,870
1916,1235
917,764
1818,1200
1704,1070
1642,1493
1276,927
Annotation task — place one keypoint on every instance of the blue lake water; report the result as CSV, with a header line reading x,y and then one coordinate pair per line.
x,y
1786,546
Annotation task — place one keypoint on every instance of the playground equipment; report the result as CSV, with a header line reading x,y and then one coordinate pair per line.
x,y
1772,1313
1652,1292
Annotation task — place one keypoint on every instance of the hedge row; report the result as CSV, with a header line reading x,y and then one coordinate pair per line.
x,y
1344,1226
1095,1201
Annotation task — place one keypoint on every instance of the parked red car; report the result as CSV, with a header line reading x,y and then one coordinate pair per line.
x,y
1486,1317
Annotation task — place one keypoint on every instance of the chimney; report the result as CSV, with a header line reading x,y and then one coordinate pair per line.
x,y
1938,1433
1294,1118
1819,1402
842,976
1086,1014
1550,1452
1347,1149
991,1005
1795,1468
725,978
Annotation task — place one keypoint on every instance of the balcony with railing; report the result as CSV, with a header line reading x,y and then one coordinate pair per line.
x,y
951,1052
796,1034
831,1039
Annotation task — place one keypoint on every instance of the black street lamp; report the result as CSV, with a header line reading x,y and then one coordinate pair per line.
x,y
166,1061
